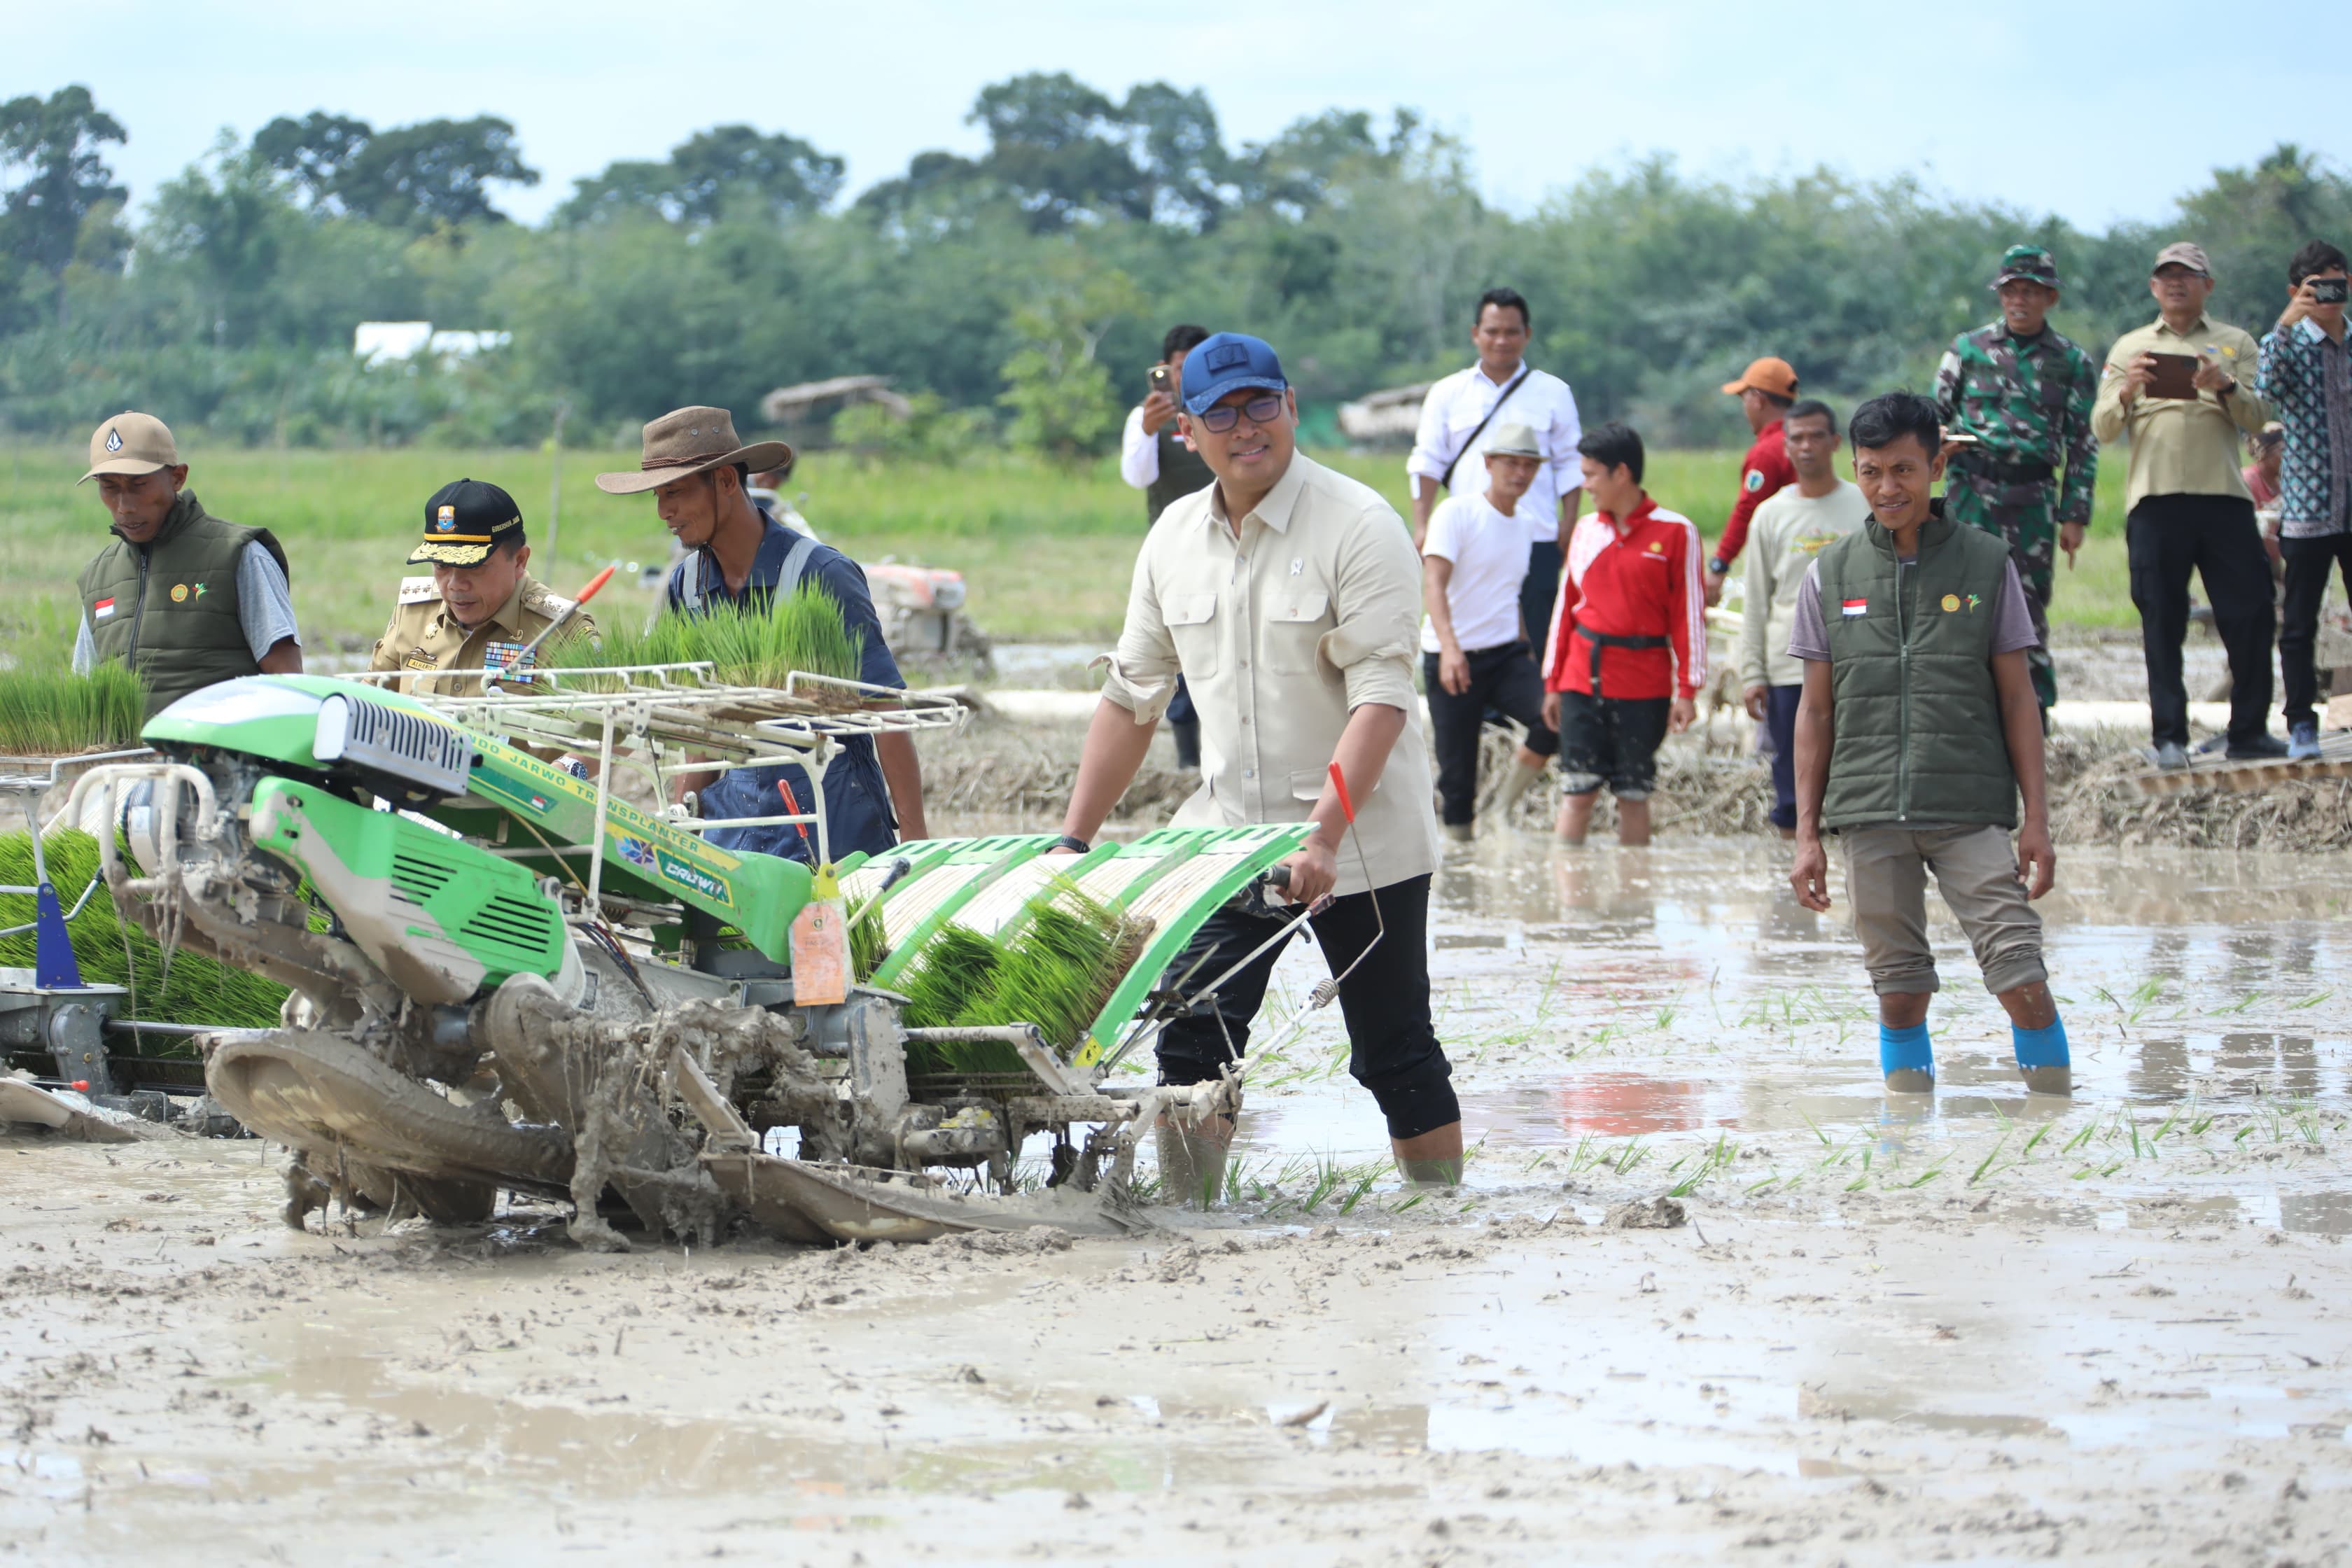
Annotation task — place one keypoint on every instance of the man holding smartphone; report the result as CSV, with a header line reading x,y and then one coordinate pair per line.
x,y
2305,376
2183,386
2015,398
1154,457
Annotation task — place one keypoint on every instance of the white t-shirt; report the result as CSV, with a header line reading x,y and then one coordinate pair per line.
x,y
1453,408
1490,554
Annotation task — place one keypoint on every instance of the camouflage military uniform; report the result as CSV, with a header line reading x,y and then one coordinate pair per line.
x,y
2028,403
423,635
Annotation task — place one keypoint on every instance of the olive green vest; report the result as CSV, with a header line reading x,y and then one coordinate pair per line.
x,y
1916,722
1182,473
168,609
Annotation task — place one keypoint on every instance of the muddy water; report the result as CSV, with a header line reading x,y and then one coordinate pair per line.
x,y
1621,994
1973,1324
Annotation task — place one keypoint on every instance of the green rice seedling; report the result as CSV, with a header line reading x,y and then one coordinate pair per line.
x,y
189,989
752,646
49,711
1985,1164
1062,961
953,967
869,943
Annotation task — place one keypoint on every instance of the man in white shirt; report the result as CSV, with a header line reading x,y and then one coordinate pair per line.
x,y
1458,422
1285,592
1790,529
1473,648
1154,457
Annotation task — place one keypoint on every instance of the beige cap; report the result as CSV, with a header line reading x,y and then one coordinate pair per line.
x,y
1514,441
131,444
2187,254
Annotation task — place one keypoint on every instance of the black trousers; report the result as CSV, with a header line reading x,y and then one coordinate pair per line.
x,y
1503,679
1392,1047
1781,723
1538,589
2309,564
2168,537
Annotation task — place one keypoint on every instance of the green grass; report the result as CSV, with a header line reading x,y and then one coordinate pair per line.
x,y
1047,552
803,630
48,711
1057,972
191,989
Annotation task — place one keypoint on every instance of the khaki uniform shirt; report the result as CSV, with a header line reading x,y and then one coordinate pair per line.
x,y
2180,446
1281,633
423,635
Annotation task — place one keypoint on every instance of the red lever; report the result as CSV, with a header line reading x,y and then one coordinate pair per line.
x,y
792,802
1339,782
81,1086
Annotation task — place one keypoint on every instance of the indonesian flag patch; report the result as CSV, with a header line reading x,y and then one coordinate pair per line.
x,y
102,609
1854,606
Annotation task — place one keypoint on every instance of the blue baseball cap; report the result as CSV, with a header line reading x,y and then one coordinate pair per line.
x,y
1227,363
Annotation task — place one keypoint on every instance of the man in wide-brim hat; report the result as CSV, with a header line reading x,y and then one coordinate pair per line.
x,y
738,557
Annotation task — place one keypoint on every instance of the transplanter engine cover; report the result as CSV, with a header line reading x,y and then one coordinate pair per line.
x,y
385,740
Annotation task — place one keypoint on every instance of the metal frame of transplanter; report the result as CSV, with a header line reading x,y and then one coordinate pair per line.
x,y
685,719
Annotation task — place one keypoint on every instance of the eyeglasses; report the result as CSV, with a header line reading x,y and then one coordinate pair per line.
x,y
1261,411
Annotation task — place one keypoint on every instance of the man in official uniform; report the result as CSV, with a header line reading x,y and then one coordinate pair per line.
x,y
2015,398
182,598
481,607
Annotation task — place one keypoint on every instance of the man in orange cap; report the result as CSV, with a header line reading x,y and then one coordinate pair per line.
x,y
1765,390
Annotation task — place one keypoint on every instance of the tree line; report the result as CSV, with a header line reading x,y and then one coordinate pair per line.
x,y
1018,295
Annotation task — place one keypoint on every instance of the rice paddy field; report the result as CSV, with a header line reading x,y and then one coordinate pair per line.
x,y
1047,550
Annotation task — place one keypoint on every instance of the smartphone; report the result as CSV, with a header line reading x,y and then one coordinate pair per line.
x,y
1162,381
2175,377
2326,291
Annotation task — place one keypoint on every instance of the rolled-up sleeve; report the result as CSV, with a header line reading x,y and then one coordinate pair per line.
x,y
1378,611
1429,455
1143,668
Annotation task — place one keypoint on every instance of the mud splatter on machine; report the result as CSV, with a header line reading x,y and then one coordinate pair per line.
x,y
526,981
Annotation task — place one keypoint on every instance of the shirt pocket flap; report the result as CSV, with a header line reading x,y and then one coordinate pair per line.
x,y
1189,609
1299,606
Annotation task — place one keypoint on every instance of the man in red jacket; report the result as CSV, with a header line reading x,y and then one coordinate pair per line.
x,y
1765,390
1627,652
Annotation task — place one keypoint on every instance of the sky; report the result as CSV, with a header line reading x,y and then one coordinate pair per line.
x,y
2054,107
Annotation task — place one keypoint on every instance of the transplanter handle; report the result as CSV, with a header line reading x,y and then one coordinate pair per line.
x,y
596,585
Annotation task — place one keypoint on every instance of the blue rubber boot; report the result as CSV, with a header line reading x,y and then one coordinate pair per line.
x,y
2042,1058
1906,1059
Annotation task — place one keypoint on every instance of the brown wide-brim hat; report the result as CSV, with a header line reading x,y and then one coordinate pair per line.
x,y
689,441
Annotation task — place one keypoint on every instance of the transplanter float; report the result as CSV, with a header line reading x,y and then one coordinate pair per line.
x,y
526,982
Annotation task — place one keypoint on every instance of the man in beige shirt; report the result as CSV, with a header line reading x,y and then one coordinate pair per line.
x,y
2190,510
1288,597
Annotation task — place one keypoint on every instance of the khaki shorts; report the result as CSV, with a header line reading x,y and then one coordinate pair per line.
x,y
1976,870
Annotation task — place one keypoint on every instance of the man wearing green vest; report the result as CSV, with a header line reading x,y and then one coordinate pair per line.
x,y
1155,459
183,598
1917,732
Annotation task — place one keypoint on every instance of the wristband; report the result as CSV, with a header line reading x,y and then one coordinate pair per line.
x,y
1719,566
1073,843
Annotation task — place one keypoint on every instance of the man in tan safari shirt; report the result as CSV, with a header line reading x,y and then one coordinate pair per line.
x,y
1288,597
481,606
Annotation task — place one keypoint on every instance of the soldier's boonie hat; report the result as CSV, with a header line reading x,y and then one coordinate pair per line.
x,y
2186,254
131,444
1771,375
464,521
1514,441
2030,263
689,441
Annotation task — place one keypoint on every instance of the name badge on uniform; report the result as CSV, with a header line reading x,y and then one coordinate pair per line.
x,y
418,660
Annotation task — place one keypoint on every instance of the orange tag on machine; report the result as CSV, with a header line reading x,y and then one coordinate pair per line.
x,y
821,944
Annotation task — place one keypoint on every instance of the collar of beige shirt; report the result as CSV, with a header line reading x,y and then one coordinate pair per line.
x,y
1273,510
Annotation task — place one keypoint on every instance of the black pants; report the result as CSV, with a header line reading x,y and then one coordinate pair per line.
x,y
2309,564
1781,723
1504,680
2169,536
1392,1047
1538,589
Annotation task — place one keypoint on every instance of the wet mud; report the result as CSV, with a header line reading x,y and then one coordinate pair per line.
x,y
1975,1326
